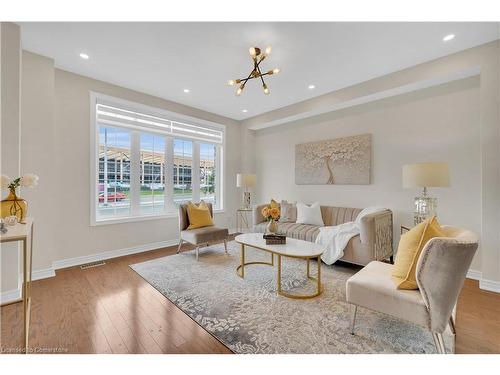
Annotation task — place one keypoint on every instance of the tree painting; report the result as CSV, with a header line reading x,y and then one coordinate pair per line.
x,y
337,161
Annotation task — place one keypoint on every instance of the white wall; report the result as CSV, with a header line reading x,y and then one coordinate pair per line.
x,y
438,124
75,237
10,136
55,133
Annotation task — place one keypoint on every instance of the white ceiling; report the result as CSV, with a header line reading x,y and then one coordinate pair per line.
x,y
163,59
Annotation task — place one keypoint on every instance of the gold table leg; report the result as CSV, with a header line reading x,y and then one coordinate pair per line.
x,y
301,296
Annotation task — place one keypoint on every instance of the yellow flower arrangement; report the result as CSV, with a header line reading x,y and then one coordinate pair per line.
x,y
271,211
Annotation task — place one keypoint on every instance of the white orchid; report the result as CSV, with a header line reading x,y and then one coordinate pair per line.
x,y
29,180
5,181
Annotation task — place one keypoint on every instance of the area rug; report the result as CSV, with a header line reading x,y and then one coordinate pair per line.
x,y
247,315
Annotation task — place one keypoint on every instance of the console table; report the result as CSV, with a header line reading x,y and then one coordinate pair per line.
x,y
23,233
243,223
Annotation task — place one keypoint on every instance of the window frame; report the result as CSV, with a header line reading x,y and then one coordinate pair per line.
x,y
171,212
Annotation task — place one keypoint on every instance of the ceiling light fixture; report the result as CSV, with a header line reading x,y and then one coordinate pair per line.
x,y
311,87
257,58
448,37
186,90
84,56
244,110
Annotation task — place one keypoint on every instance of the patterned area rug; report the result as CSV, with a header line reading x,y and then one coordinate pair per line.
x,y
248,316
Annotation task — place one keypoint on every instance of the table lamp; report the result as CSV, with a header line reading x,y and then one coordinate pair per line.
x,y
246,181
425,175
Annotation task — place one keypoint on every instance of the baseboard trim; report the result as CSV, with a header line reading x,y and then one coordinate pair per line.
x,y
71,262
474,275
10,296
484,284
489,285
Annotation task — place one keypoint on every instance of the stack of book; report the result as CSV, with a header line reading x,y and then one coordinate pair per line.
x,y
275,239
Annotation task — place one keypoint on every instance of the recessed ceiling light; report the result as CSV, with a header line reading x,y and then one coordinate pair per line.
x,y
186,90
244,110
311,87
84,56
448,37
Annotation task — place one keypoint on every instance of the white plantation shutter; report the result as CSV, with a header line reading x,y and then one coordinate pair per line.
x,y
115,116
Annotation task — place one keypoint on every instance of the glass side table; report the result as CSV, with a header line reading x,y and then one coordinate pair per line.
x,y
243,221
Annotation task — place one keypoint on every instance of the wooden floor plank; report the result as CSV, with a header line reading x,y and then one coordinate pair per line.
x,y
111,309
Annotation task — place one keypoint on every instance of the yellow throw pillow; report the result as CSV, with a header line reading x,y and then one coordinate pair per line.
x,y
199,215
274,204
410,246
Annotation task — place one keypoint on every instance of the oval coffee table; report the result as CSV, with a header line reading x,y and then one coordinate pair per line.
x,y
292,249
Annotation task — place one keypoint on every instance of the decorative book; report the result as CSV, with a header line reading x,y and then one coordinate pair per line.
x,y
275,239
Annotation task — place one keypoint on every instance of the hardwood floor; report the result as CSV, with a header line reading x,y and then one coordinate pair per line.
x,y
111,309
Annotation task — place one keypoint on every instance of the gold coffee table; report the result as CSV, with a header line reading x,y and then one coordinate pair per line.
x,y
292,249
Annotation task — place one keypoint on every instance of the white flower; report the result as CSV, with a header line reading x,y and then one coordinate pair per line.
x,y
5,181
29,180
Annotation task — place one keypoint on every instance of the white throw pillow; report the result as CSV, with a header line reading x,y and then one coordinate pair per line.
x,y
309,214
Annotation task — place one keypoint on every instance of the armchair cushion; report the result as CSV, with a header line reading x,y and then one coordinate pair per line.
x,y
204,235
199,215
409,249
373,288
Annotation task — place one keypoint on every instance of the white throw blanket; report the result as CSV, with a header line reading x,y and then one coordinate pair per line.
x,y
335,238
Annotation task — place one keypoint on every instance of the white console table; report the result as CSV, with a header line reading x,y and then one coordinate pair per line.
x,y
23,233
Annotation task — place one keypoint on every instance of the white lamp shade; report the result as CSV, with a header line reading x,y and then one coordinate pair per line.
x,y
426,175
245,180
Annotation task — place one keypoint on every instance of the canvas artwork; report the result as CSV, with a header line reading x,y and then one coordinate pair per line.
x,y
343,161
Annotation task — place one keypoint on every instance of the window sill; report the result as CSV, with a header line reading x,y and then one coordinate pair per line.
x,y
132,219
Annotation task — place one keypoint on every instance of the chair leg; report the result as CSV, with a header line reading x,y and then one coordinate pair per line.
x,y
180,245
225,245
354,309
452,325
438,340
454,331
197,252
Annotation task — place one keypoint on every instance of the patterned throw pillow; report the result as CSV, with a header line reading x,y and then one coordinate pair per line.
x,y
288,212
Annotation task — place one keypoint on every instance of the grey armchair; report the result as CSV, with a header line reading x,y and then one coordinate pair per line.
x,y
441,270
199,236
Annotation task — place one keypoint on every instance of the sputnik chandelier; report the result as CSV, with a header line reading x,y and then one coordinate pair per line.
x,y
257,58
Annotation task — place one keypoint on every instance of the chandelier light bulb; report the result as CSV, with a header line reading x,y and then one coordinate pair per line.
x,y
256,73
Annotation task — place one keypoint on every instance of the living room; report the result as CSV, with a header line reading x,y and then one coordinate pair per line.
x,y
250,187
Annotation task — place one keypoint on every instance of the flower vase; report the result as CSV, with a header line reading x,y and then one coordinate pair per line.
x,y
14,206
272,227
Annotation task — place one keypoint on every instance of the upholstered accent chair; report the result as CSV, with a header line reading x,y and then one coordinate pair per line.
x,y
441,270
199,236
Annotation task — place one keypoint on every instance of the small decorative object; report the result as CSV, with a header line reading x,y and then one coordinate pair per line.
x,y
341,161
272,214
246,181
13,205
11,220
425,175
256,73
275,239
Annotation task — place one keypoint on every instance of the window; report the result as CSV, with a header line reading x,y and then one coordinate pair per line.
x,y
147,161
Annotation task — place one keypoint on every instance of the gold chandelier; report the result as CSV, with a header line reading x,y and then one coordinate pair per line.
x,y
257,58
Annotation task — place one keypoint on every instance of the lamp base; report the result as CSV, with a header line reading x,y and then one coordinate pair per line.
x,y
246,200
424,208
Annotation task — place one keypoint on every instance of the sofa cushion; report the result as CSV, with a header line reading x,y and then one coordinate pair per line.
x,y
288,212
204,235
304,232
373,288
309,214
